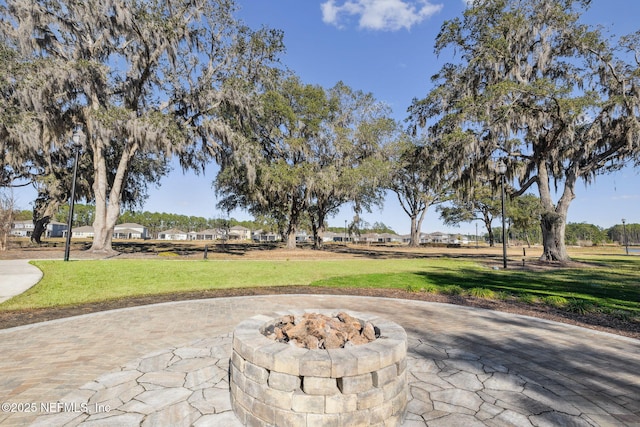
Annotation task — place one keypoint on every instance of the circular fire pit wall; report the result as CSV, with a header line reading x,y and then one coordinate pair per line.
x,y
274,383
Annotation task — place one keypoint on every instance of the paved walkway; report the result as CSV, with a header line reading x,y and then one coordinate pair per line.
x,y
16,276
166,365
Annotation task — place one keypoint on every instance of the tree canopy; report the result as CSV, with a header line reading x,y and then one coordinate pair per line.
x,y
417,179
149,78
479,203
534,87
313,151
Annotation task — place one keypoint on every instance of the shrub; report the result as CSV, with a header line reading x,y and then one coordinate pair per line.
x,y
624,315
168,254
580,306
503,295
528,298
482,293
555,301
430,289
452,290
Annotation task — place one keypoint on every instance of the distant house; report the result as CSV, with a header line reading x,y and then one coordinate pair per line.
x,y
239,232
210,234
56,229
82,232
130,231
390,238
264,236
302,237
25,229
439,237
371,238
330,236
21,228
173,234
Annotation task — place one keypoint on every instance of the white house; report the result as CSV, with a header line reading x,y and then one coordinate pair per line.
x,y
21,228
438,237
264,236
302,237
130,230
173,234
25,229
209,234
330,236
239,232
371,238
82,232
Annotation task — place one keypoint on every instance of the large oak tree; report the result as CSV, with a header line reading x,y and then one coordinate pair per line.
x,y
417,179
156,77
550,96
313,151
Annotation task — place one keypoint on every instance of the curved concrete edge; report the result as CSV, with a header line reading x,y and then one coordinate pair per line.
x,y
16,276
462,308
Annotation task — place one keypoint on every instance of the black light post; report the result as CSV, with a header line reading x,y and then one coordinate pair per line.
x,y
345,231
476,235
624,231
76,138
502,169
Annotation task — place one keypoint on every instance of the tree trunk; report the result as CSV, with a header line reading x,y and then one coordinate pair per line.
x,y
416,228
554,218
414,238
317,228
7,205
42,217
108,207
291,238
39,227
318,234
487,223
553,228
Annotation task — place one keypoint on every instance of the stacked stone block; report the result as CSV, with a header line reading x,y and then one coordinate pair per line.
x,y
276,384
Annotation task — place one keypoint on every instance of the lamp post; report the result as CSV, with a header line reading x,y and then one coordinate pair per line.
x,y
624,231
476,235
502,169
76,138
345,231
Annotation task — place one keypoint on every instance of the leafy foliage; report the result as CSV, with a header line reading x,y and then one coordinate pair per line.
x,y
314,150
418,179
479,202
582,232
537,88
617,233
144,80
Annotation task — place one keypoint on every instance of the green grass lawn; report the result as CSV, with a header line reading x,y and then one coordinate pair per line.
x,y
78,282
612,284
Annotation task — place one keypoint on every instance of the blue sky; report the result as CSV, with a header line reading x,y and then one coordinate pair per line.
x,y
386,47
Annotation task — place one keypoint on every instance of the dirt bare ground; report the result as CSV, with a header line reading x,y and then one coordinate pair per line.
x,y
598,321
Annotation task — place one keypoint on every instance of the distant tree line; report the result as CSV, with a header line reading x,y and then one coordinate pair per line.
x,y
527,232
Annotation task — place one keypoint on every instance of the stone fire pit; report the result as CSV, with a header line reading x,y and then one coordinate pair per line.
x,y
274,383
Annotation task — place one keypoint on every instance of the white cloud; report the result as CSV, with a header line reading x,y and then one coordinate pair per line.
x,y
386,15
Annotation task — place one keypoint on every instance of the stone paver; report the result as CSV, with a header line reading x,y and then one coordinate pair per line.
x,y
166,365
